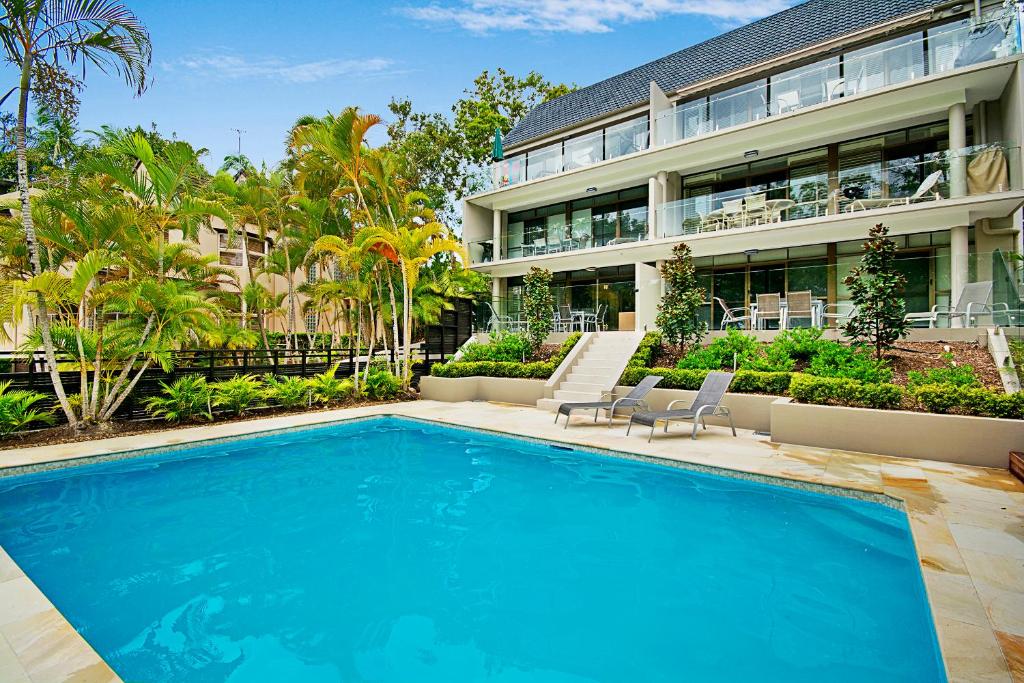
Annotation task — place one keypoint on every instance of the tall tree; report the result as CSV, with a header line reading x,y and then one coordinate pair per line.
x,y
40,35
679,312
876,289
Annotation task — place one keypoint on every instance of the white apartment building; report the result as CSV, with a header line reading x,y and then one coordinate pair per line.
x,y
771,150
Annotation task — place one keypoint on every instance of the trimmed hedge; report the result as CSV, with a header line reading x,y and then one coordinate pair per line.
x,y
844,392
966,400
745,381
644,355
486,368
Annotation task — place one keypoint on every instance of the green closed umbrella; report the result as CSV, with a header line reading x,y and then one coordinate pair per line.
x,y
497,153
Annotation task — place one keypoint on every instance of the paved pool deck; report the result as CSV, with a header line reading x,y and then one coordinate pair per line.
x,y
967,522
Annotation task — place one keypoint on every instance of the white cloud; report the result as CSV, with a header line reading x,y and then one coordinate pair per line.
x,y
228,66
584,16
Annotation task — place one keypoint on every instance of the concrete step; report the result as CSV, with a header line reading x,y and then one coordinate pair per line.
x,y
549,404
577,396
585,378
582,387
603,355
597,367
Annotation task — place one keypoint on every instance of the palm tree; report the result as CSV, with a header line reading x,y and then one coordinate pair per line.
x,y
106,35
415,239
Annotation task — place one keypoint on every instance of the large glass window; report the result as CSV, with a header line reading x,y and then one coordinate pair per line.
x,y
894,164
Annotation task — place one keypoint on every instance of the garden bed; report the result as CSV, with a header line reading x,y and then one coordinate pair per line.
x,y
62,434
508,356
958,378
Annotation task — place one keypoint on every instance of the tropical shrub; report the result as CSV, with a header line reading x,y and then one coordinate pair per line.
x,y
848,362
679,311
185,399
326,389
503,346
950,373
801,343
287,392
538,305
17,409
646,352
742,349
843,391
720,353
876,289
534,370
381,385
969,400
238,394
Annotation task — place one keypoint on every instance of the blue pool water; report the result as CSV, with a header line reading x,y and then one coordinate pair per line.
x,y
403,552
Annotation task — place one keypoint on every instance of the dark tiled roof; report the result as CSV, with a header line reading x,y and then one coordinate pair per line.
x,y
798,27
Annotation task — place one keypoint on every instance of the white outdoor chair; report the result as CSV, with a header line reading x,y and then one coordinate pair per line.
x,y
972,304
733,316
798,307
922,192
755,209
769,307
732,211
838,314
498,322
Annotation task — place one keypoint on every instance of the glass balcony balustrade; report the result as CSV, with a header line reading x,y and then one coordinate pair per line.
x,y
982,169
907,58
608,143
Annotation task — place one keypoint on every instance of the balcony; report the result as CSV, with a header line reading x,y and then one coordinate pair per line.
x,y
612,142
944,49
900,60
979,170
626,227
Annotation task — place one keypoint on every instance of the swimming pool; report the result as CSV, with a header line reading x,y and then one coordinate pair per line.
x,y
400,551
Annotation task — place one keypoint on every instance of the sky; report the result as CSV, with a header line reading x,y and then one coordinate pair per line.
x,y
258,65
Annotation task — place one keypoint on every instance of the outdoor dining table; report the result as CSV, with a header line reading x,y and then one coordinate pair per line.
x,y
817,313
777,206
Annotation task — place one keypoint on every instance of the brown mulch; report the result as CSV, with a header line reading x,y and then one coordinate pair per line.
x,y
545,352
927,355
62,434
905,357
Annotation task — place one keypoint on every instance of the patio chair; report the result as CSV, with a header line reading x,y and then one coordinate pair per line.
x,y
593,318
565,315
769,307
798,306
927,186
708,222
708,402
732,213
755,209
498,322
973,303
730,317
838,314
636,398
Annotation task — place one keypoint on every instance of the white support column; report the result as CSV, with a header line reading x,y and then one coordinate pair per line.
x,y
957,143
654,200
957,188
648,287
958,266
498,255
